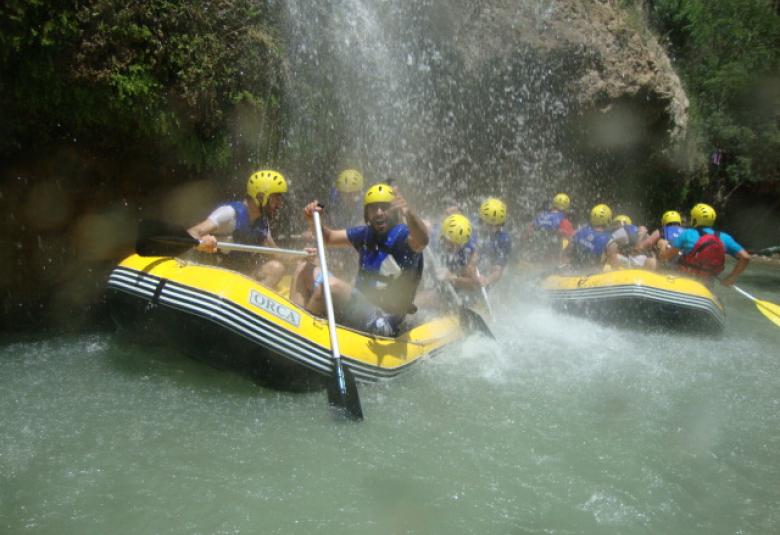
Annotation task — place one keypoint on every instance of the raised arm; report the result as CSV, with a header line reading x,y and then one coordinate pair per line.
x,y
418,231
612,255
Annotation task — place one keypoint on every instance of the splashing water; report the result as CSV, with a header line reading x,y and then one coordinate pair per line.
x,y
386,87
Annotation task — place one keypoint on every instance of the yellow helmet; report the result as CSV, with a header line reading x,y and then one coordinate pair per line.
x,y
703,215
379,193
621,220
561,202
266,182
456,229
670,217
349,181
493,211
600,215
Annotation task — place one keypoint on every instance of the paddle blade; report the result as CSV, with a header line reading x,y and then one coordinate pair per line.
x,y
156,238
770,310
344,397
475,322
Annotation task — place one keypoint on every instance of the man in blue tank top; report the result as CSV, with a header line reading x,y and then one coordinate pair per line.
x,y
390,265
587,247
247,221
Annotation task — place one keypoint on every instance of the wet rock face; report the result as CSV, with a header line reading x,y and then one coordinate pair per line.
x,y
605,115
620,59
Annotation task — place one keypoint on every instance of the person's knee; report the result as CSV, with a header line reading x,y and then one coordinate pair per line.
x,y
304,274
339,289
271,273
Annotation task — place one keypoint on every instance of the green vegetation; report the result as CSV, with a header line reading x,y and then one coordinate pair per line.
x,y
193,83
728,53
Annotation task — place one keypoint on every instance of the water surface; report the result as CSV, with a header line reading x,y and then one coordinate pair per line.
x,y
562,426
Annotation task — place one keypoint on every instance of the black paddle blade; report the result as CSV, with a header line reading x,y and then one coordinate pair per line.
x,y
475,322
346,400
156,238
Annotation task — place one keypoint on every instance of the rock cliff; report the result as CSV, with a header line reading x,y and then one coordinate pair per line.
x,y
620,57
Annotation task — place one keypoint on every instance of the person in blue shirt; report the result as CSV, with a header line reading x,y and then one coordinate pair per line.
x,y
458,251
247,221
588,245
390,264
344,209
671,227
551,230
701,250
493,242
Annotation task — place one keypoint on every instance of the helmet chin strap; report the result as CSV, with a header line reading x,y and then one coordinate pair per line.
x,y
254,208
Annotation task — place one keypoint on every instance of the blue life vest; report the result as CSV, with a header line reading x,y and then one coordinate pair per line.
x,y
393,294
589,244
494,250
549,221
670,232
457,260
246,231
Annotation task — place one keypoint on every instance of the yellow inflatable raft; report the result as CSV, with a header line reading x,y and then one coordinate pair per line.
x,y
230,320
635,296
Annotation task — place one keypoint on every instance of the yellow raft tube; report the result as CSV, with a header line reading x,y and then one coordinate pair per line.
x,y
230,320
638,297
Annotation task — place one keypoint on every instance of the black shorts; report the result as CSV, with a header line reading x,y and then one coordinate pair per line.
x,y
363,315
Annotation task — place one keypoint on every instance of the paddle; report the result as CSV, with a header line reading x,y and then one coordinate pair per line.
x,y
470,319
485,298
156,238
770,310
342,391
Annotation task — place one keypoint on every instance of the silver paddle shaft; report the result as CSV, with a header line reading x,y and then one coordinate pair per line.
x,y
228,246
743,292
334,340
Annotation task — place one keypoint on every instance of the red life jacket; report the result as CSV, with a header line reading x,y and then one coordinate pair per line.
x,y
707,258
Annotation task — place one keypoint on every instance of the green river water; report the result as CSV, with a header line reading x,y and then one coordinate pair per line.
x,y
562,426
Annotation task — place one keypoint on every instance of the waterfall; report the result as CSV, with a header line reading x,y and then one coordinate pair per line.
x,y
393,88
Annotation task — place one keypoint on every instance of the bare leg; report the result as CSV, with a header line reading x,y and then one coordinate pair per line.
x,y
303,280
270,273
339,290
